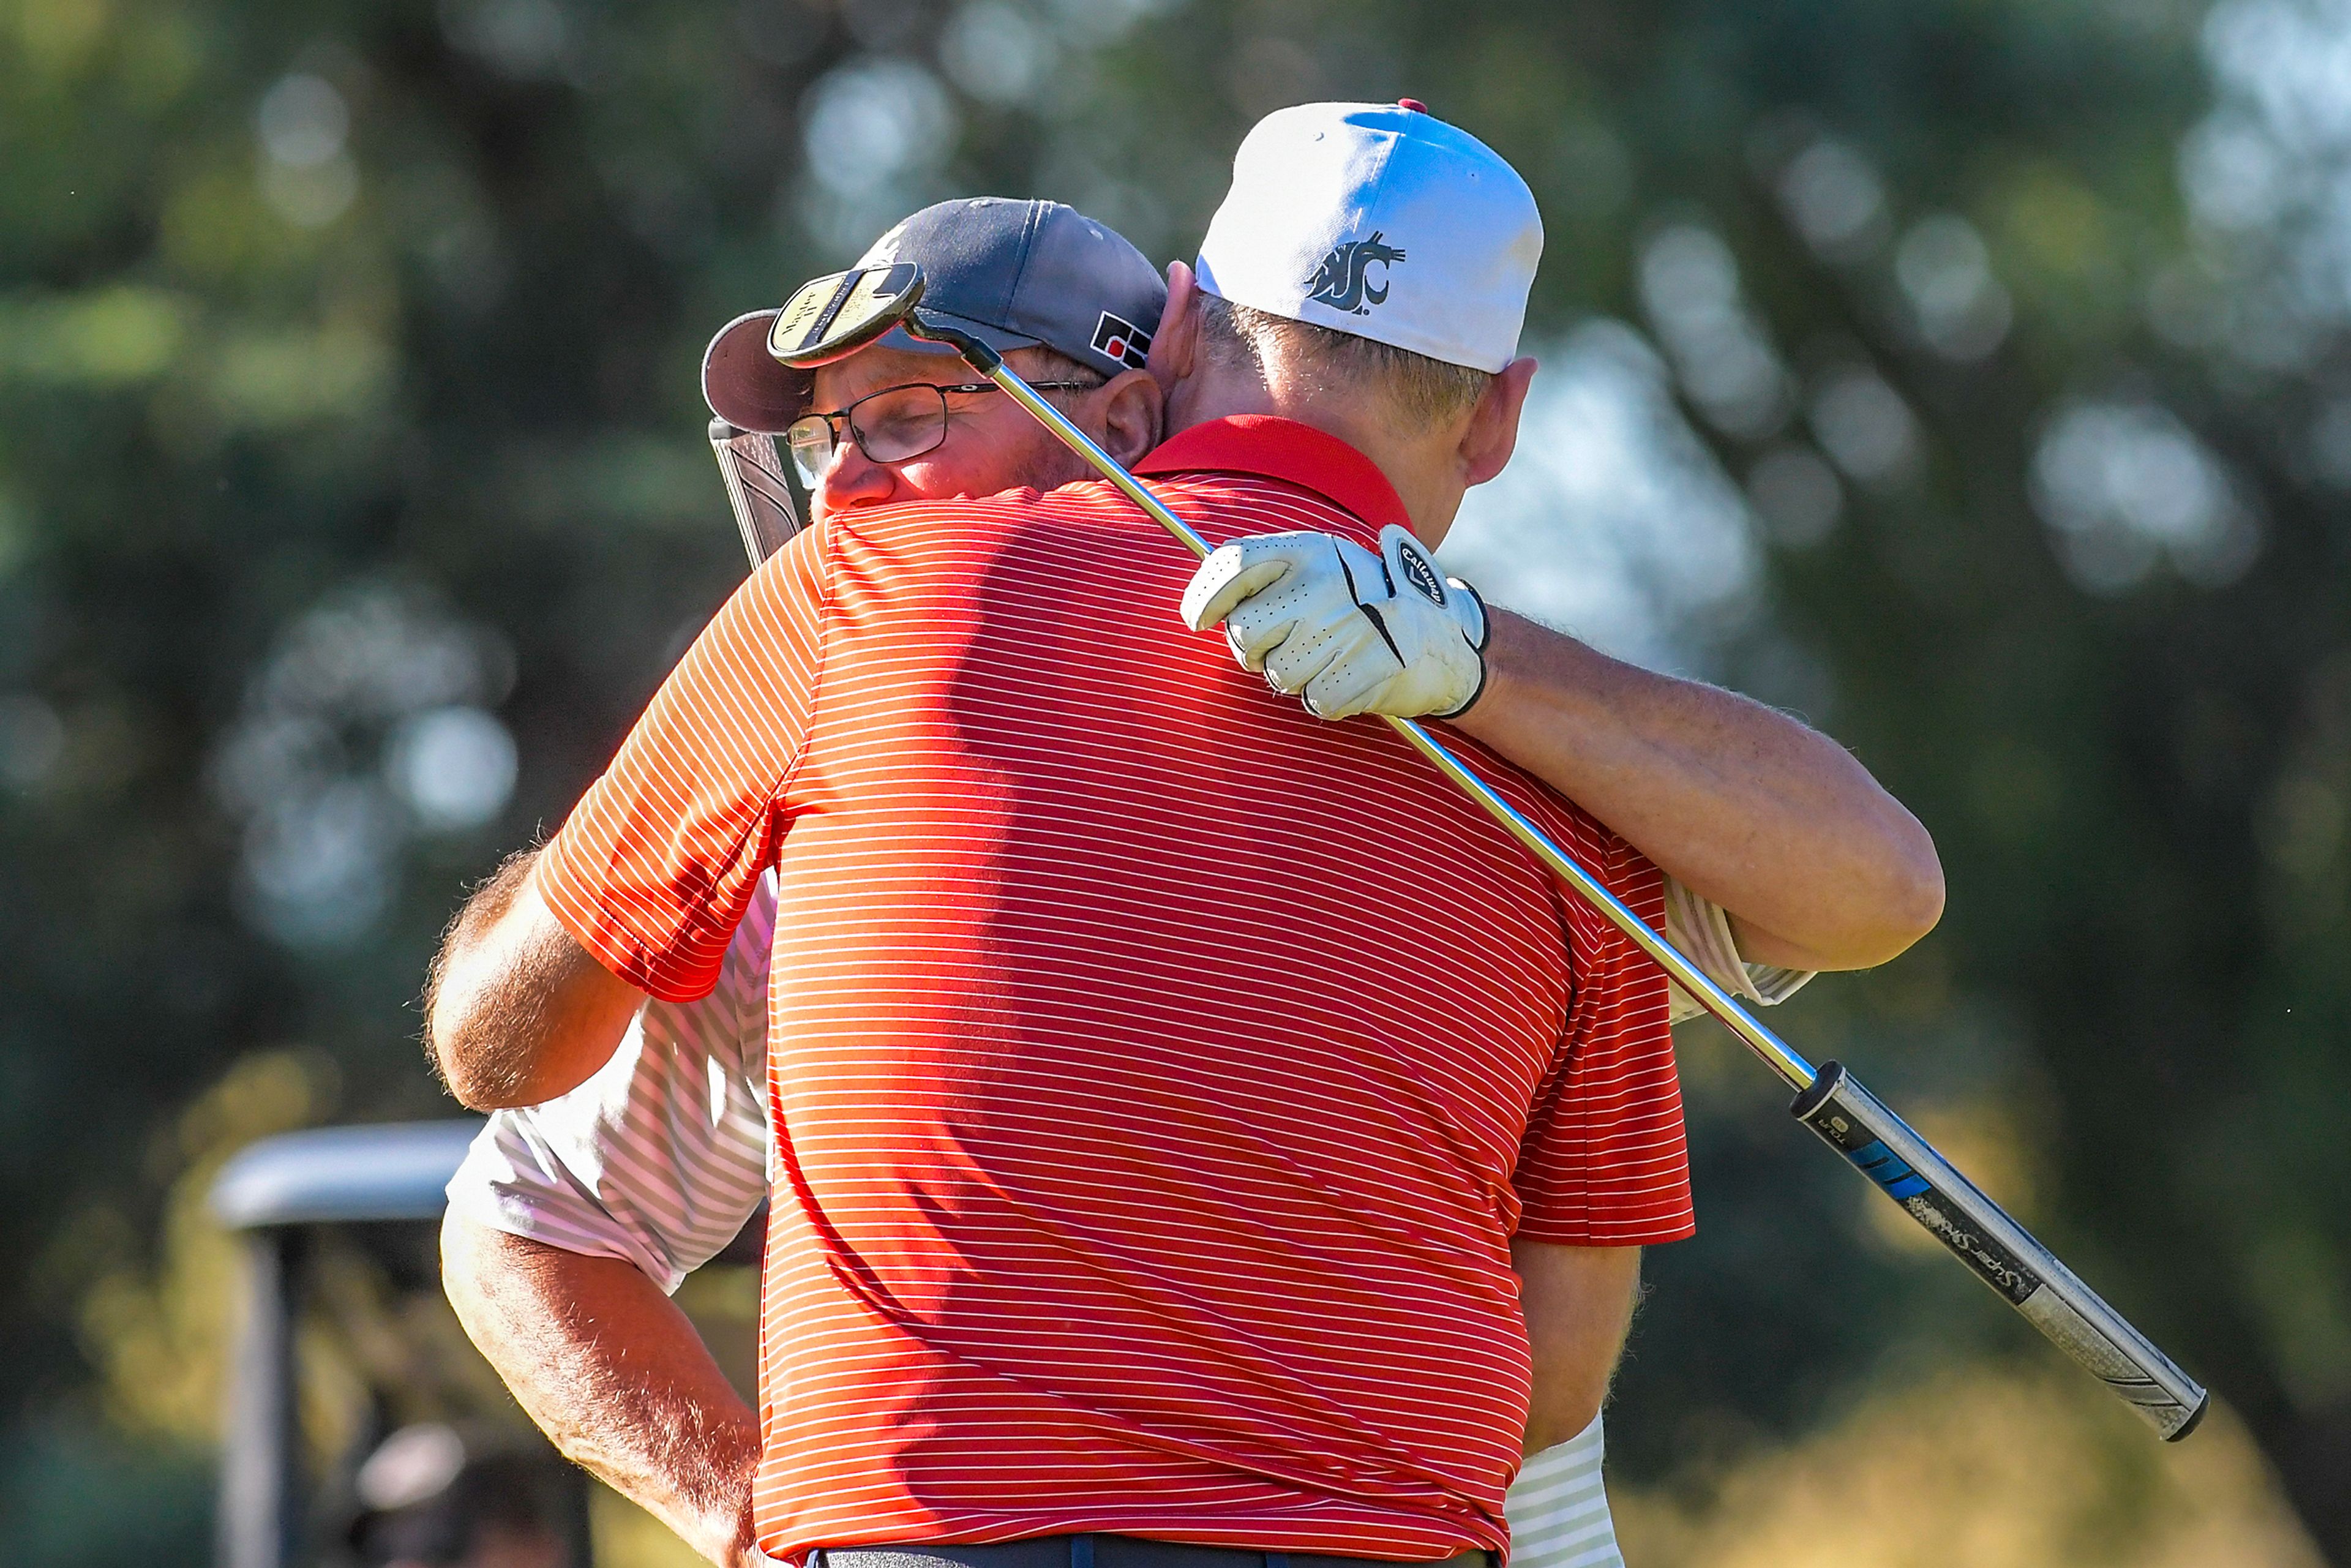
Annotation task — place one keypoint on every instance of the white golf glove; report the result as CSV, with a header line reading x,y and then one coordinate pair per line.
x,y
1345,631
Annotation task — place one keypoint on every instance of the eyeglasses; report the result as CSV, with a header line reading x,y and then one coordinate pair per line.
x,y
893,425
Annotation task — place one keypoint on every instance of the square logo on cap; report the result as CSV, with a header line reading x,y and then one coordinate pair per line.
x,y
1116,337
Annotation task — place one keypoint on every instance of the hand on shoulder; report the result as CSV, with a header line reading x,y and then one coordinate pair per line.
x,y
1343,628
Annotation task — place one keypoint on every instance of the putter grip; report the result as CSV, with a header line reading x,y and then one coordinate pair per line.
x,y
2000,1251
755,488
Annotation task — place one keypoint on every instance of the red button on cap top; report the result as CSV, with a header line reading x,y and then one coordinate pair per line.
x,y
1412,104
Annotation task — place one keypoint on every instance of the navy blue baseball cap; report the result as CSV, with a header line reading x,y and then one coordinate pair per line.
x,y
1015,274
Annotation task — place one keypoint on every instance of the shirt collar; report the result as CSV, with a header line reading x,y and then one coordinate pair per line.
x,y
1278,448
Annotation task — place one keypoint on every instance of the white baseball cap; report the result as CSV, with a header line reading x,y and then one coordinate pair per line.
x,y
1383,221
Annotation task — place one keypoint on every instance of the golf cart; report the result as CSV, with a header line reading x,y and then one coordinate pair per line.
x,y
294,1203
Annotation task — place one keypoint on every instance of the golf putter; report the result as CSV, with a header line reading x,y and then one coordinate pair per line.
x,y
834,316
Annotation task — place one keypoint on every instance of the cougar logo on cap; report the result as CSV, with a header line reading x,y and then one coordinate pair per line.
x,y
1115,337
1342,281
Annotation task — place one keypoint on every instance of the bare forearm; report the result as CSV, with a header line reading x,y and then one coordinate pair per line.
x,y
517,1011
1819,867
616,1377
1577,1302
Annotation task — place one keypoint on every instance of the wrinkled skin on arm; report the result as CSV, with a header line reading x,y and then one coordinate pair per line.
x,y
616,1377
1819,867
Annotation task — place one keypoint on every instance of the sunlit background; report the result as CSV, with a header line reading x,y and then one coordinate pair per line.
x,y
1971,377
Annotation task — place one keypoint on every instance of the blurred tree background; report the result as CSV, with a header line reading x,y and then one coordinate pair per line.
x,y
1968,375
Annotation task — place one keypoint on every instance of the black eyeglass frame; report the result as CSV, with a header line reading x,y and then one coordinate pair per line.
x,y
842,417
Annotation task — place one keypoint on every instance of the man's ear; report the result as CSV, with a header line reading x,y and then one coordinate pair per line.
x,y
1132,408
1177,339
1493,432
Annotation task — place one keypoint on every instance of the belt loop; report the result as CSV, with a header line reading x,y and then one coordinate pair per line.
x,y
1081,1550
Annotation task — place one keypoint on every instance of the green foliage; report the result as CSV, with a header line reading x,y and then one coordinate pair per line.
x,y
78,1495
374,327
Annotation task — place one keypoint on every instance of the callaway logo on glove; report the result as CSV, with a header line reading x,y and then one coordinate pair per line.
x,y
1345,631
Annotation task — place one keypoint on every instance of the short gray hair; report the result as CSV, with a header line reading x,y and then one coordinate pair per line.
x,y
1421,390
1047,363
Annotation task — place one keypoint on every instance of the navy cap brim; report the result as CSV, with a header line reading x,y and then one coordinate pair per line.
x,y
745,387
743,383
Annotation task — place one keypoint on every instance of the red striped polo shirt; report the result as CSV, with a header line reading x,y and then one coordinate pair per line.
x,y
1160,1074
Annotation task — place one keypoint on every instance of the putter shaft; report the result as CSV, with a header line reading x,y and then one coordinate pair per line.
x,y
832,318
1850,1120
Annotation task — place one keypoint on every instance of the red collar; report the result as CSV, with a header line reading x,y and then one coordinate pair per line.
x,y
1279,449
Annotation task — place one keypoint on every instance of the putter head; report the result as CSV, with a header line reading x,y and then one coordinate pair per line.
x,y
833,317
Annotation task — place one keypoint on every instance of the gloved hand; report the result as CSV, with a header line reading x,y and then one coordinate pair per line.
x,y
1344,630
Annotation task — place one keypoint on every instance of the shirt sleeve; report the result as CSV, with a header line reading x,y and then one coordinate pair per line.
x,y
1604,1161
1700,931
653,868
661,1157
1558,1508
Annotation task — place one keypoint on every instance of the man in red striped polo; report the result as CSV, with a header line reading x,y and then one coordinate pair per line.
x,y
1162,1077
